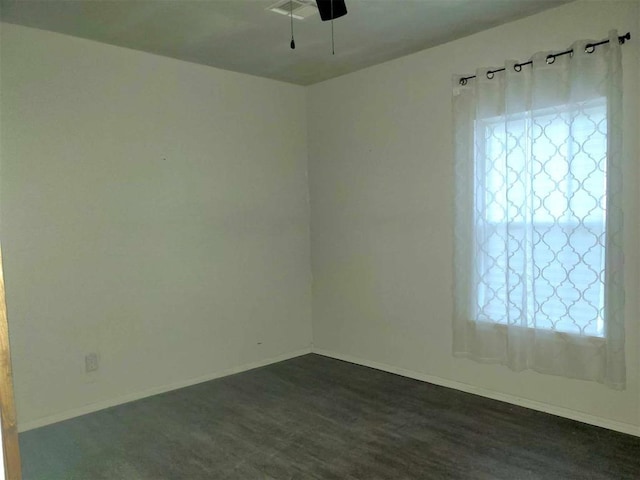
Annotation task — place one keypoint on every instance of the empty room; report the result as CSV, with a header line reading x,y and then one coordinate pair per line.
x,y
334,239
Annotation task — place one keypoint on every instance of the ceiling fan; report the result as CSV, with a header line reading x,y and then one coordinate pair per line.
x,y
328,9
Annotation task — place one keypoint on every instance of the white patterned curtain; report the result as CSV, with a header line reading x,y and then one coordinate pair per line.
x,y
538,219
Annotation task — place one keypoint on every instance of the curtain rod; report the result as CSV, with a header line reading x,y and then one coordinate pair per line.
x,y
589,48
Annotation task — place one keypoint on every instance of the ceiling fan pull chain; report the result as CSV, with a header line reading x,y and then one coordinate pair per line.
x,y
293,42
333,46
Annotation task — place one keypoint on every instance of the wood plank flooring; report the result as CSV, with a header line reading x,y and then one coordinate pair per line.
x,y
317,418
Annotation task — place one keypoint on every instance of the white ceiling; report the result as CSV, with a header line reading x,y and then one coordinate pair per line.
x,y
243,36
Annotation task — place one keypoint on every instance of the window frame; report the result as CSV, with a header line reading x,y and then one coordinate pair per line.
x,y
598,104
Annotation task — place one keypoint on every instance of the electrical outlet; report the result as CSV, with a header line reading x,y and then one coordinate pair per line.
x,y
90,362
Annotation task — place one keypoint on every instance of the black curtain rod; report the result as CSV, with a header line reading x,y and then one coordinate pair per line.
x,y
589,48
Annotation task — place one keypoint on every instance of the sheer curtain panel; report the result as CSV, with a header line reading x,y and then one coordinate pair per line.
x,y
538,266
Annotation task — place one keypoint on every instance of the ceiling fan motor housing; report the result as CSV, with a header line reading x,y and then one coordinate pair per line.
x,y
330,9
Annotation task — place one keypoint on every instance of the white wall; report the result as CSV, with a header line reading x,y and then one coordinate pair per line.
x,y
153,211
381,183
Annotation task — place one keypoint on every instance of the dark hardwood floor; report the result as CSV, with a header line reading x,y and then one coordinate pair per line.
x,y
317,418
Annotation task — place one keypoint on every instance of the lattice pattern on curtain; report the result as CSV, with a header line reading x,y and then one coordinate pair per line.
x,y
538,228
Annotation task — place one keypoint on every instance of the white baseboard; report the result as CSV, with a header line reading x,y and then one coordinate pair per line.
x,y
94,407
484,392
539,406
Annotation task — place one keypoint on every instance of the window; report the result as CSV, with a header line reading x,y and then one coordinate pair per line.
x,y
545,207
538,219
